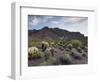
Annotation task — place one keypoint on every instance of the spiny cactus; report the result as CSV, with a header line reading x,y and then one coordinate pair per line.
x,y
44,45
33,52
52,43
70,46
48,54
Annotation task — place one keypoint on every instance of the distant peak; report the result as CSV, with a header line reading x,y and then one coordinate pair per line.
x,y
46,27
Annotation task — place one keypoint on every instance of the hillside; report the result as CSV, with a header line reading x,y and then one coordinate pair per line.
x,y
54,33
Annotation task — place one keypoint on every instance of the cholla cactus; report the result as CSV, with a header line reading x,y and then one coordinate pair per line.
x,y
33,51
44,45
52,43
48,54
70,46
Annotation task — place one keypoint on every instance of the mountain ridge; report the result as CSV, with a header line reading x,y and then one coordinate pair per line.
x,y
55,33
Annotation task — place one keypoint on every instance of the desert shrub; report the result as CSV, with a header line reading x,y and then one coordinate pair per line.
x,y
76,43
47,54
84,54
33,52
55,61
65,59
86,49
75,54
79,49
43,63
48,62
82,47
33,43
49,59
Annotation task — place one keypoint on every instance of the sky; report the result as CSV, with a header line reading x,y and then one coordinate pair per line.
x,y
70,23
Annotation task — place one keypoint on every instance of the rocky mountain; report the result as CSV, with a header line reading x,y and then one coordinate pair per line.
x,y
54,33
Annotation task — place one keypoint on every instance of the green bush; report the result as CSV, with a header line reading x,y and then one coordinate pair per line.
x,y
48,58
33,43
65,59
76,43
49,62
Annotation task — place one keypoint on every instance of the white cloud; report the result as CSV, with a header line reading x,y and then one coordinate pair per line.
x,y
55,22
35,20
73,19
47,18
76,26
81,27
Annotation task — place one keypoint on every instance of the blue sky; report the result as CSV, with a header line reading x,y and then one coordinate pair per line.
x,y
75,24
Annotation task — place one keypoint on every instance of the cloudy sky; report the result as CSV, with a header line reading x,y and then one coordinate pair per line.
x,y
76,24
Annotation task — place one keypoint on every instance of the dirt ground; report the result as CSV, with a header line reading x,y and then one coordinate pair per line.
x,y
76,58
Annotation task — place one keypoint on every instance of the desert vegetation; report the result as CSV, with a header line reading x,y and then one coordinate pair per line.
x,y
57,52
